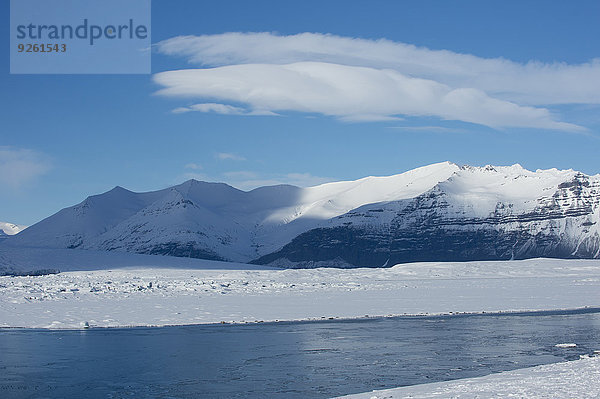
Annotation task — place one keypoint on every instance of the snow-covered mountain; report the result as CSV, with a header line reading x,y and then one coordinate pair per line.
x,y
10,229
437,212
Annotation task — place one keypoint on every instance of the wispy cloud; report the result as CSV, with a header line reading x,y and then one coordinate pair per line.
x,y
19,166
241,174
223,109
433,129
370,80
193,166
224,156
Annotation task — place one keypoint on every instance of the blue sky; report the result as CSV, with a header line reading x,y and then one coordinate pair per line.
x,y
65,137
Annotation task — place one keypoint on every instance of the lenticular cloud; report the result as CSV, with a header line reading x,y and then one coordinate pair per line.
x,y
364,80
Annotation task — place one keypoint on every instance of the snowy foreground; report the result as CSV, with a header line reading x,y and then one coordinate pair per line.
x,y
117,289
576,379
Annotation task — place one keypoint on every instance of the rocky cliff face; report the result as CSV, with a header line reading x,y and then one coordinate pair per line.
x,y
442,212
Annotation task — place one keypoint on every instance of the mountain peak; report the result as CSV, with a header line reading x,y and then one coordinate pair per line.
x,y
119,189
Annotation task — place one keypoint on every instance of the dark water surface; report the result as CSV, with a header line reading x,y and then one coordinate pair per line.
x,y
283,360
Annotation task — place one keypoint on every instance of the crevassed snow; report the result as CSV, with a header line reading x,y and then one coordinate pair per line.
x,y
574,379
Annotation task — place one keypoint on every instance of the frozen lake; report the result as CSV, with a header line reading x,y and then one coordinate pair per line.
x,y
286,360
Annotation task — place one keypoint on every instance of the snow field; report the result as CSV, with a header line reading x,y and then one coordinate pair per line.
x,y
575,379
158,296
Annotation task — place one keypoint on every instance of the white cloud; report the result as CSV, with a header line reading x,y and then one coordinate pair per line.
x,y
224,156
20,166
350,93
532,83
223,109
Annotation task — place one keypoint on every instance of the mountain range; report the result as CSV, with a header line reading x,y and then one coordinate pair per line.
x,y
440,212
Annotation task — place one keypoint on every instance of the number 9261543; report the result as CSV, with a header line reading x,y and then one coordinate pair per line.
x,y
41,48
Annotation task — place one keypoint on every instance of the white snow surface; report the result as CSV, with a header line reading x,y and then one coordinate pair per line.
x,y
574,379
333,199
10,229
110,289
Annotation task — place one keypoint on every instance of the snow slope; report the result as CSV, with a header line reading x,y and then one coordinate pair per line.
x,y
574,379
